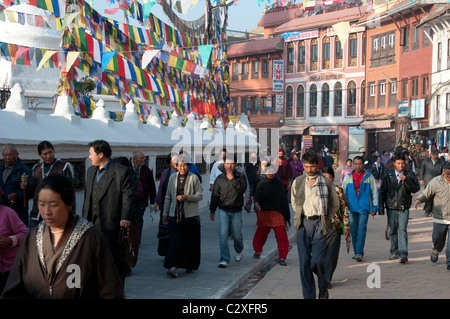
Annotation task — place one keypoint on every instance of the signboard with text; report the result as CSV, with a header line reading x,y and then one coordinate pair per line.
x,y
300,35
307,141
417,108
278,75
403,109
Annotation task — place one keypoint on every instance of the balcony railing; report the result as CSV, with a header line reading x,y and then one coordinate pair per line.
x,y
338,63
353,61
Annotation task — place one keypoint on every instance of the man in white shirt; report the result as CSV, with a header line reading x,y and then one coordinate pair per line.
x,y
215,170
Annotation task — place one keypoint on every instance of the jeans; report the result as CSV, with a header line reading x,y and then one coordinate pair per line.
x,y
440,231
398,222
358,230
333,247
230,222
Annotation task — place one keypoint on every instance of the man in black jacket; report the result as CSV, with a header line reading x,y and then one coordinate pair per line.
x,y
228,196
396,188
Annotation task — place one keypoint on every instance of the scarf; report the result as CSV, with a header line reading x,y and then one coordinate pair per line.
x,y
323,193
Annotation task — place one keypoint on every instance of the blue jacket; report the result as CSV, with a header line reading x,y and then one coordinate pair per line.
x,y
12,185
367,201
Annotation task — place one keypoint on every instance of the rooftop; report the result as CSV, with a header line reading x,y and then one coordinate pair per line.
x,y
324,19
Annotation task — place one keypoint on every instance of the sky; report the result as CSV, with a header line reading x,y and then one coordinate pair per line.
x,y
242,16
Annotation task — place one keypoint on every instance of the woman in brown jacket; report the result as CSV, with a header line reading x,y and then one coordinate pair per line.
x,y
65,256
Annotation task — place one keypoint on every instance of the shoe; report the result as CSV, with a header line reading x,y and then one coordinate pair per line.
x,y
223,264
358,257
427,214
256,255
172,272
403,260
448,267
393,256
434,256
323,293
282,262
238,257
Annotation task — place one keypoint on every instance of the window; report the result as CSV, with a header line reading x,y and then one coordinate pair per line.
x,y
313,100
416,38
326,53
382,88
383,42
255,69
338,54
405,89
363,96
265,69
300,101
427,33
244,71
372,89
394,86
289,102
325,100
415,87
235,71
290,58
447,102
376,44
338,99
439,55
351,99
425,85
437,109
353,50
405,39
392,40
253,105
234,106
301,56
314,54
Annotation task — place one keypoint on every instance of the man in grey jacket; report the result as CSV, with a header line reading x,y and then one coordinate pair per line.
x,y
439,189
431,167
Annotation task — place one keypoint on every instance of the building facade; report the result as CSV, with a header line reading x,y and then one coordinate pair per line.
x,y
324,76
437,24
398,73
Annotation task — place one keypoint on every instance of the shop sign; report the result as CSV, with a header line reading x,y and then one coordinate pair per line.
x,y
307,141
279,103
268,105
417,108
323,130
300,35
404,109
278,75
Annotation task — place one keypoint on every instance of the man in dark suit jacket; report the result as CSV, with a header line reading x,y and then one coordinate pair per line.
x,y
108,198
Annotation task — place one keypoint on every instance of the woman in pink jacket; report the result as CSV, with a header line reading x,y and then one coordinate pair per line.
x,y
12,233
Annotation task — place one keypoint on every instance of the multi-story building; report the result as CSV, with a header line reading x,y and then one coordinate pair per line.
x,y
398,72
324,77
437,24
252,63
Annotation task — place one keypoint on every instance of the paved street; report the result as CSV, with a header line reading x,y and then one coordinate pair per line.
x,y
417,279
150,281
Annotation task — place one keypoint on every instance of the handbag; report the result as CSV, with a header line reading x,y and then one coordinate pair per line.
x,y
131,236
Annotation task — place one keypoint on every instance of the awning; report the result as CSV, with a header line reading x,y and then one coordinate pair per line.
x,y
292,129
379,124
429,128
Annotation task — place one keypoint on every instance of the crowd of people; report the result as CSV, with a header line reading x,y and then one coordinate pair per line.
x,y
36,245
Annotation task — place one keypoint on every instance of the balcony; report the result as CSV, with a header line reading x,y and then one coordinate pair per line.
x,y
314,65
353,61
326,64
338,63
